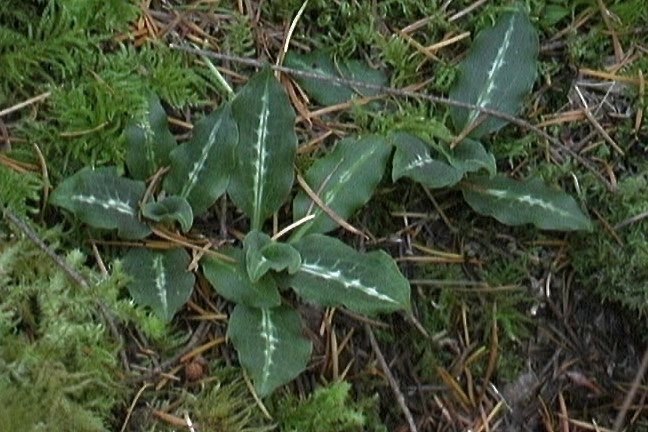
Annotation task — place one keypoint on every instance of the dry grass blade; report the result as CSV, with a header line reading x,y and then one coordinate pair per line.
x,y
605,14
338,107
609,76
24,104
326,209
640,111
493,355
170,419
467,10
160,231
447,42
468,130
292,226
18,166
291,30
565,117
596,124
201,349
132,406
454,386
255,396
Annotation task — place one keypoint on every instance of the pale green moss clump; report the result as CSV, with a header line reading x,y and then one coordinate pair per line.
x,y
330,409
58,367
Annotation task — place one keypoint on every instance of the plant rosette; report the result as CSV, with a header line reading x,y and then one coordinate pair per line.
x,y
246,149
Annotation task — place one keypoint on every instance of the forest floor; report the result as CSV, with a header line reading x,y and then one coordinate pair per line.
x,y
513,328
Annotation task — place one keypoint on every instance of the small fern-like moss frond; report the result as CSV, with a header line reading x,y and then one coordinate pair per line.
x,y
19,191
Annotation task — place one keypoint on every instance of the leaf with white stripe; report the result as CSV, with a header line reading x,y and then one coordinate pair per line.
x,y
522,202
498,72
412,159
103,199
328,92
231,280
160,279
471,156
270,345
149,142
345,180
201,167
334,274
263,173
263,254
170,209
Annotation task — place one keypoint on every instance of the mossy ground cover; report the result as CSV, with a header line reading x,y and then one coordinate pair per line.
x,y
514,327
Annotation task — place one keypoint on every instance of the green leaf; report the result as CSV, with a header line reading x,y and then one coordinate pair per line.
x,y
516,203
160,279
103,199
170,209
498,72
471,156
270,345
263,173
334,274
328,92
412,159
149,142
231,280
345,180
263,254
201,167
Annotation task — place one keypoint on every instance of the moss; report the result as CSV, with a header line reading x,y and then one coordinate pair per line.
x,y
68,47
47,397
229,407
328,409
57,360
84,119
618,272
19,191
45,43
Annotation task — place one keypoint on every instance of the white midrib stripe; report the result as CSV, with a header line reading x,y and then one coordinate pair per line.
x,y
418,162
260,157
503,194
200,163
343,179
337,276
119,206
160,283
485,95
268,334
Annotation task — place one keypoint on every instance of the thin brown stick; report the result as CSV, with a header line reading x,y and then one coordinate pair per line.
x,y
618,423
403,93
23,104
74,275
467,10
392,381
631,220
354,83
129,413
590,117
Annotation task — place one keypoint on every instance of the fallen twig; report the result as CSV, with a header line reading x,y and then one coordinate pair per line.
x,y
74,275
627,402
403,93
392,381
